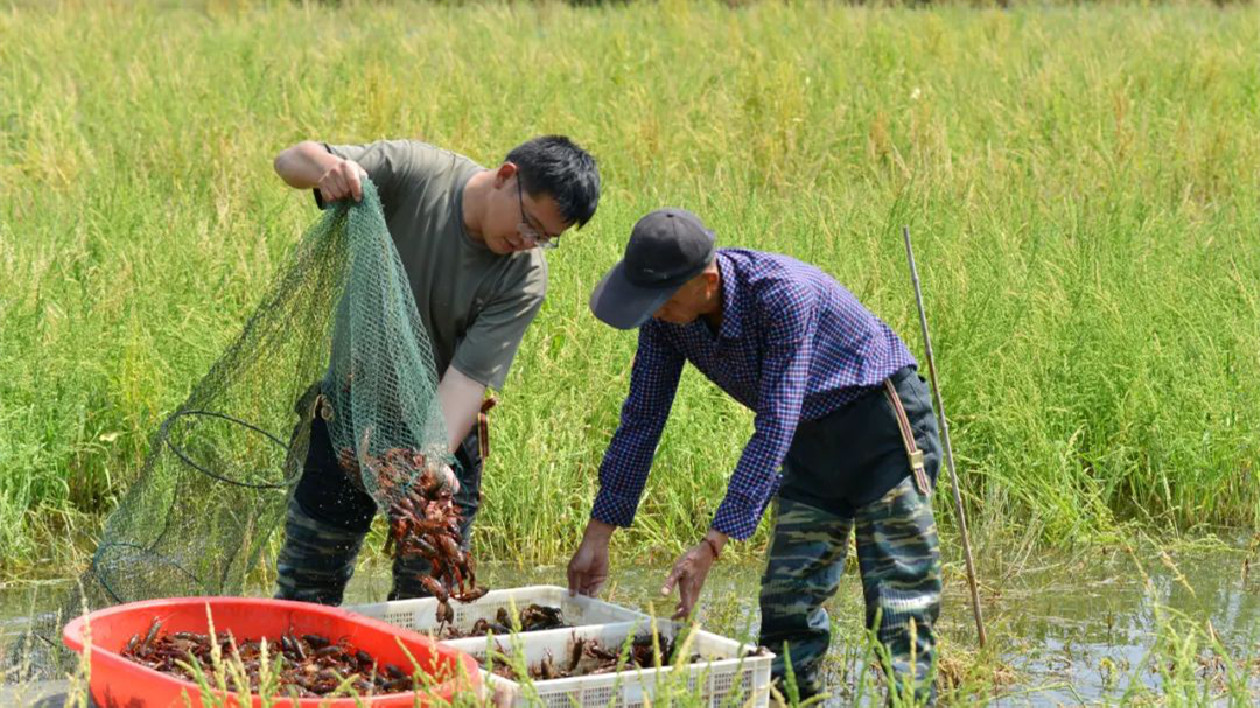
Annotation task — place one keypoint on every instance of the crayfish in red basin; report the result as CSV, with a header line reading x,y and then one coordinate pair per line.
x,y
306,666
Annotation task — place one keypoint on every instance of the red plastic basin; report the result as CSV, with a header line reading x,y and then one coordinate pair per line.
x,y
117,682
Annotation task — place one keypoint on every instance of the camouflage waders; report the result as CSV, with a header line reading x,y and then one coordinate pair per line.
x,y
328,518
852,471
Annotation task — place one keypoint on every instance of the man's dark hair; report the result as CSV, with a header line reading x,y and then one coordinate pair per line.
x,y
557,167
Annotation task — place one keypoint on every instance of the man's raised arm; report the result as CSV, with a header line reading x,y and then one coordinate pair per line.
x,y
308,165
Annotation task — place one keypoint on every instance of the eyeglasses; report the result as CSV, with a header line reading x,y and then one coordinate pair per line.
x,y
538,237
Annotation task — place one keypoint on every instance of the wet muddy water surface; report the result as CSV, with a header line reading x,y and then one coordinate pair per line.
x,y
1067,630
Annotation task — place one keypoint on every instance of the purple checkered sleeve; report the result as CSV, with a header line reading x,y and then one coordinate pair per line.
x,y
628,460
788,352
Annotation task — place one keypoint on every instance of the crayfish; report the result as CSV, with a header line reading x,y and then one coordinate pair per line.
x,y
530,619
308,665
424,523
587,656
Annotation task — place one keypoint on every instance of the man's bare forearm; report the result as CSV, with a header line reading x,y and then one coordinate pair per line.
x,y
460,398
301,166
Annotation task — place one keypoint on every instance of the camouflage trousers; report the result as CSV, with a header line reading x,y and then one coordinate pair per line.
x,y
897,548
328,518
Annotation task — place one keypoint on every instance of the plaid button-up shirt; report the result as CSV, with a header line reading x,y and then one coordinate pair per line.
x,y
793,345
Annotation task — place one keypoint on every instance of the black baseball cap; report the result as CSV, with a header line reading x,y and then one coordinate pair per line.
x,y
667,248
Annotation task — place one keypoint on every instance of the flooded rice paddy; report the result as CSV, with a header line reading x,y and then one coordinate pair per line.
x,y
1064,630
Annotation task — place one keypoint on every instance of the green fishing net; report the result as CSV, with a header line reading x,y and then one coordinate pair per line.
x,y
338,335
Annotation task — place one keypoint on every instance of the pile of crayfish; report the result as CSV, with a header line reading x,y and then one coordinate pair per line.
x,y
588,657
309,665
424,524
531,619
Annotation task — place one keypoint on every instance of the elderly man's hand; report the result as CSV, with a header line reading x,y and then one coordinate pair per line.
x,y
589,567
690,571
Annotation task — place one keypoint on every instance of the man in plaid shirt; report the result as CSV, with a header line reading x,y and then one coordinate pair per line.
x,y
839,408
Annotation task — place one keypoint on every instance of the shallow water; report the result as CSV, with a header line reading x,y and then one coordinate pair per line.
x,y
1070,630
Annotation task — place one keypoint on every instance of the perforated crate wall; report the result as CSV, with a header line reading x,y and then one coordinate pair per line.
x,y
421,615
717,680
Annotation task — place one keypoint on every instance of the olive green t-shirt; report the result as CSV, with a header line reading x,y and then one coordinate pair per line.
x,y
475,303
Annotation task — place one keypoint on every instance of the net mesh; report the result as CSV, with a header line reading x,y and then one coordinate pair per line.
x,y
338,335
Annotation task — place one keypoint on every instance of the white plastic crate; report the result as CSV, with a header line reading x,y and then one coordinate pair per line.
x,y
421,614
724,679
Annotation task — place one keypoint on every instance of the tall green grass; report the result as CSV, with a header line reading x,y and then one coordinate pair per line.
x,y
1081,184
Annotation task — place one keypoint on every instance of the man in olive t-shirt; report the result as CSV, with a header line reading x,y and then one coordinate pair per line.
x,y
470,240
